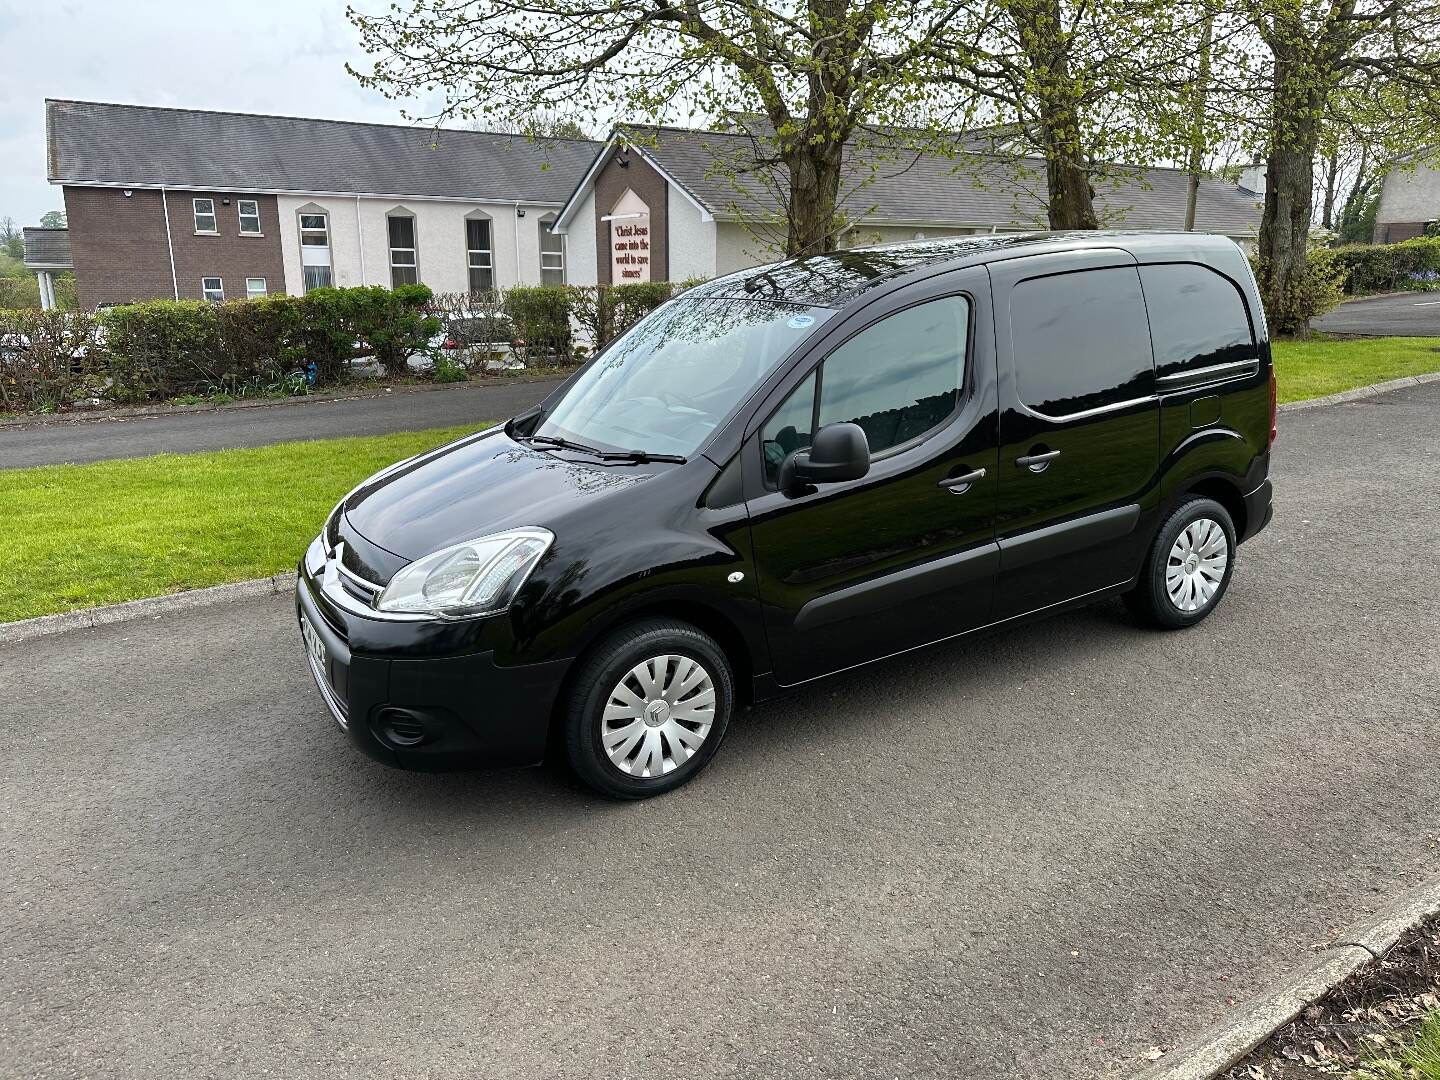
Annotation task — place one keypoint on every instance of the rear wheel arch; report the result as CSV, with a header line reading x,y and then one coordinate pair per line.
x,y
1223,489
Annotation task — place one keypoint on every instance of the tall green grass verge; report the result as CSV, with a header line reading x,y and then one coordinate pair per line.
x,y
82,535
1319,366
1418,1059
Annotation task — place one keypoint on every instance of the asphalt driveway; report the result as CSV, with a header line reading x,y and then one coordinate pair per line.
x,y
222,429
1034,855
1407,315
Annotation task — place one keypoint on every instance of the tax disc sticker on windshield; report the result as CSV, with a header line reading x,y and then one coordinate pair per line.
x,y
800,322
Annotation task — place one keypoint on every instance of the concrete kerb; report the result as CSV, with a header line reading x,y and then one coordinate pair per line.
x,y
85,618
1217,1050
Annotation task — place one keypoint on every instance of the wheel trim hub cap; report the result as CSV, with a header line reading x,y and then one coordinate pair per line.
x,y
658,716
1196,566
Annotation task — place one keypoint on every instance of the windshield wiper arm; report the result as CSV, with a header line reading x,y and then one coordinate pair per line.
x,y
637,456
642,456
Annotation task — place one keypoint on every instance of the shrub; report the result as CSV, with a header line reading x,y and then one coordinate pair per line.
x,y
163,348
391,324
1314,294
1366,268
541,314
48,359
259,341
607,311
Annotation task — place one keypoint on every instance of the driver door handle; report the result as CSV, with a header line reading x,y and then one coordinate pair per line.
x,y
958,485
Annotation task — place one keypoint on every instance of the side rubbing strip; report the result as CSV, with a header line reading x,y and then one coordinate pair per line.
x,y
1068,536
869,597
1186,380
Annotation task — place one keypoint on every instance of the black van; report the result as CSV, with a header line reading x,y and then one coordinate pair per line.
x,y
792,471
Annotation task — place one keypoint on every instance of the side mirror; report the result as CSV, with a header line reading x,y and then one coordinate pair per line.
x,y
838,452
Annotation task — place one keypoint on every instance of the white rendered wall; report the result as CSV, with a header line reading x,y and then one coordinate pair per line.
x,y
360,243
690,245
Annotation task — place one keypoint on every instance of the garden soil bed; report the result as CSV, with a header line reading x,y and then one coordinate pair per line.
x,y
1377,1008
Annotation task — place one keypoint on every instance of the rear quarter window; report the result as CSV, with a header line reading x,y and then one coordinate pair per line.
x,y
1197,318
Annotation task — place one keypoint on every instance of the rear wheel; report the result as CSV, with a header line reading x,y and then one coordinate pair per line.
x,y
648,709
1188,568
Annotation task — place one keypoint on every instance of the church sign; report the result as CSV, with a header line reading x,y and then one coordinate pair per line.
x,y
629,240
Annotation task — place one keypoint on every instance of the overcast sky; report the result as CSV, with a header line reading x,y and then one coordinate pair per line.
x,y
274,56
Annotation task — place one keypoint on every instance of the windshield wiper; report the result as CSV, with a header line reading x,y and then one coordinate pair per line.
x,y
565,444
638,456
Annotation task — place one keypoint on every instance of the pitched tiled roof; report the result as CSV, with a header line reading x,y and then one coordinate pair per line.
x,y
719,171
47,248
142,146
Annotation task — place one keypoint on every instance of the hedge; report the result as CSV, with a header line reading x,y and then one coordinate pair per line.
x,y
1366,268
166,349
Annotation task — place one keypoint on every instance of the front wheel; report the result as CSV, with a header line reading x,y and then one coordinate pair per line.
x,y
648,709
1188,568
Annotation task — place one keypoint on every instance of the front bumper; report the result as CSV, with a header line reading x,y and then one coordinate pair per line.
x,y
414,711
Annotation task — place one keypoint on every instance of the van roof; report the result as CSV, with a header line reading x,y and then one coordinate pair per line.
x,y
836,278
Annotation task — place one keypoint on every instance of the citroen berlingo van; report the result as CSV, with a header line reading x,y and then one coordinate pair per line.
x,y
793,471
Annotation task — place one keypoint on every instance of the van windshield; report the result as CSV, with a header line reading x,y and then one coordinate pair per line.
x,y
676,374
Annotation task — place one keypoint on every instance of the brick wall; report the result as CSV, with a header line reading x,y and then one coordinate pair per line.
x,y
118,245
121,253
654,191
226,255
1392,232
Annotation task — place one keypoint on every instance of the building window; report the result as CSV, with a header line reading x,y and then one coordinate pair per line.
x,y
204,215
315,250
403,267
212,289
552,253
255,288
249,216
479,255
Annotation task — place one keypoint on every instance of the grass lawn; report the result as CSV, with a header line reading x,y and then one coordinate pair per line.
x,y
1417,1059
82,535
1327,365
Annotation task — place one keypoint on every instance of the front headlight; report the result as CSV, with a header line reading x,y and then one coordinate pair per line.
x,y
478,577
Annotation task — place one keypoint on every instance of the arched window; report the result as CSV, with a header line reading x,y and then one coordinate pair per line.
x,y
552,253
315,247
480,251
404,264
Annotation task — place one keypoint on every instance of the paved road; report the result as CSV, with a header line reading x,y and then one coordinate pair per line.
x,y
1035,855
97,440
1410,315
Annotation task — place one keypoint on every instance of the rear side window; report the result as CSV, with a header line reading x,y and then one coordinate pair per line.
x,y
898,379
1081,341
1197,318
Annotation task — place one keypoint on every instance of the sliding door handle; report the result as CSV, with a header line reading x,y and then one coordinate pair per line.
x,y
1037,462
958,485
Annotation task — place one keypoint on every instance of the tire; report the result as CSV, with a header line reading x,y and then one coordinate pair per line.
x,y
613,704
1182,581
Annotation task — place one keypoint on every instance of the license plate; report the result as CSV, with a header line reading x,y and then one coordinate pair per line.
x,y
315,647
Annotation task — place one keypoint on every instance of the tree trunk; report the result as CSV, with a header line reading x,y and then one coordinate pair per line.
x,y
1067,182
1200,93
1290,193
1071,200
811,226
1327,212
